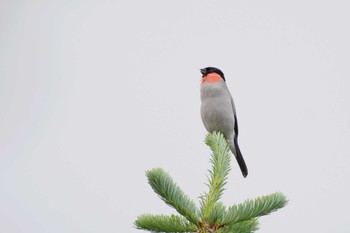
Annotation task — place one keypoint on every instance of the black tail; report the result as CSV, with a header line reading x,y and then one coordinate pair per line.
x,y
240,159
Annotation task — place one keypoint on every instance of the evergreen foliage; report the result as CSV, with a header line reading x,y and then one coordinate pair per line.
x,y
163,223
211,210
212,216
171,194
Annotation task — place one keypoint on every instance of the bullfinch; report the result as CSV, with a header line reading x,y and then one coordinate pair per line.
x,y
218,110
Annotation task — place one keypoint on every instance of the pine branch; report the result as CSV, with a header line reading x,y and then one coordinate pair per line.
x,y
162,223
255,208
248,226
216,214
172,195
220,160
213,216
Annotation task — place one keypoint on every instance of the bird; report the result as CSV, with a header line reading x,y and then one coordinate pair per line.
x,y
218,111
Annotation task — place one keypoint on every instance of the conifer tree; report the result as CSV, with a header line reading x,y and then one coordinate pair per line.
x,y
211,216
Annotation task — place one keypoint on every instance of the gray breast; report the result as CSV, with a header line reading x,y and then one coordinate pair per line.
x,y
216,109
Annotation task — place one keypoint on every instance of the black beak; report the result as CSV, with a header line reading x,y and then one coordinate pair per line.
x,y
203,71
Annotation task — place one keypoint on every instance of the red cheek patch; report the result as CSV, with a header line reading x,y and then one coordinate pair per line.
x,y
211,78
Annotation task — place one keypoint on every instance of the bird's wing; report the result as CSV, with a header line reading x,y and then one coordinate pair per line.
x,y
235,117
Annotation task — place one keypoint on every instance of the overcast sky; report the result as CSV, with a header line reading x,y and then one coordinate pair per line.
x,y
94,93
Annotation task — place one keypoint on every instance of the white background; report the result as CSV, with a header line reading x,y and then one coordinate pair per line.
x,y
94,93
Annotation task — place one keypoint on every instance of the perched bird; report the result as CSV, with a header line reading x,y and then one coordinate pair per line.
x,y
218,110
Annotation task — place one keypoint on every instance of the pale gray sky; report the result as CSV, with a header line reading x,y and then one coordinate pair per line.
x,y
94,93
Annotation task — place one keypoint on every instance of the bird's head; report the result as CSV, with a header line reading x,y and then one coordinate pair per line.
x,y
212,74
